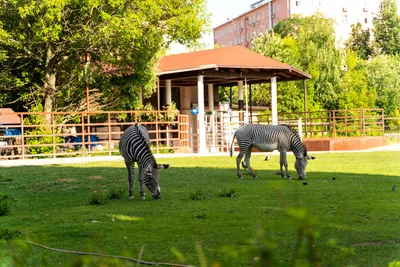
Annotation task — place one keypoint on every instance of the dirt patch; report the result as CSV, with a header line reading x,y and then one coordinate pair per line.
x,y
67,180
96,177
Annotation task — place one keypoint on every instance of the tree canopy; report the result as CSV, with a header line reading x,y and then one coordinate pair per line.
x,y
51,49
387,28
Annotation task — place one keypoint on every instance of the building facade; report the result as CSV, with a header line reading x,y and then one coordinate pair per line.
x,y
265,14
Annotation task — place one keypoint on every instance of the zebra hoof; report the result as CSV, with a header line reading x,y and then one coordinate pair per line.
x,y
255,177
289,178
240,177
142,198
130,197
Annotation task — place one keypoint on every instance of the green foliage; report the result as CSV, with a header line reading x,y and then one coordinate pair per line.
x,y
360,41
382,74
227,193
97,198
41,135
7,234
197,194
387,28
307,43
146,116
115,193
54,49
355,91
5,200
171,114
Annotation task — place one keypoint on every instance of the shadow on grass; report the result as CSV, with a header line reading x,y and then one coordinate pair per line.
x,y
206,204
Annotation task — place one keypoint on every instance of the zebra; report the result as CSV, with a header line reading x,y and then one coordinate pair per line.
x,y
269,138
134,146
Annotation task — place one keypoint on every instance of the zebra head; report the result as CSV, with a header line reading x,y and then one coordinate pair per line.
x,y
150,177
301,164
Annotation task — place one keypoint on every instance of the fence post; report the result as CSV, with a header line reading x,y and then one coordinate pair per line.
x,y
53,135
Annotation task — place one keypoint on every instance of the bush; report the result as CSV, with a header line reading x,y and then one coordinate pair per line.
x,y
9,234
97,198
5,204
115,193
197,194
227,193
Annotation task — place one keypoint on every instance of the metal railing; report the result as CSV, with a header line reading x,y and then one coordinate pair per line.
x,y
69,134
334,123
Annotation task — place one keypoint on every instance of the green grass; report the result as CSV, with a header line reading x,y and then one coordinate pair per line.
x,y
204,208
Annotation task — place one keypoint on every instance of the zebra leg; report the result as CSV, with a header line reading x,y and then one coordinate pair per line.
x,y
247,161
142,193
131,178
283,162
238,160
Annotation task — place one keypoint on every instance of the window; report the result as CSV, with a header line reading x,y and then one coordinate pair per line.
x,y
365,20
298,3
344,19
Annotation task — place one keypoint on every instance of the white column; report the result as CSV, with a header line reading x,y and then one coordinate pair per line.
x,y
274,105
240,88
200,116
210,97
168,98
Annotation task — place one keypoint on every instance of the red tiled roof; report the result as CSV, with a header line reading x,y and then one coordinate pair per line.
x,y
227,57
8,116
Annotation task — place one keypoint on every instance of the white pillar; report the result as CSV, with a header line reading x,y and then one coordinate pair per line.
x,y
240,88
200,115
274,104
168,98
210,97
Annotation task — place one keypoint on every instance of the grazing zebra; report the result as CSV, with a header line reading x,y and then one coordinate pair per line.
x,y
269,138
134,146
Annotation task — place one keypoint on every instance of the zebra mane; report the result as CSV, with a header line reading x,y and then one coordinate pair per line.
x,y
296,133
143,139
293,130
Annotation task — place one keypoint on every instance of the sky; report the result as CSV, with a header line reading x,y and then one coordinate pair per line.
x,y
220,11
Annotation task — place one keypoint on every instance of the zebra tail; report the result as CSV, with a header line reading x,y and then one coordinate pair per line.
x,y
233,140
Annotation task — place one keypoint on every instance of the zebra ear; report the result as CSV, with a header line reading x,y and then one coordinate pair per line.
x,y
310,157
162,166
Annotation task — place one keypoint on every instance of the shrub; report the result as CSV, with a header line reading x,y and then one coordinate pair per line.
x,y
197,194
115,193
227,193
97,198
5,204
9,234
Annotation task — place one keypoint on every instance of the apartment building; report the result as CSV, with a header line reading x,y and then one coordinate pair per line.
x,y
265,14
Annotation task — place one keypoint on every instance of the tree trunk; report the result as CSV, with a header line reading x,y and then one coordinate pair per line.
x,y
50,84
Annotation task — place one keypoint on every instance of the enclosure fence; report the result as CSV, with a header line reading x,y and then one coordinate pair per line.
x,y
66,134
315,124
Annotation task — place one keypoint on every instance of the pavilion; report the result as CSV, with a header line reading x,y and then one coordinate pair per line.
x,y
228,66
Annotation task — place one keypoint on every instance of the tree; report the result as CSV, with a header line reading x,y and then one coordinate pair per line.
x,y
55,47
383,77
360,41
387,28
290,94
309,45
355,91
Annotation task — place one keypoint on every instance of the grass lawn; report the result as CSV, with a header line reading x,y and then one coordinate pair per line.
x,y
206,210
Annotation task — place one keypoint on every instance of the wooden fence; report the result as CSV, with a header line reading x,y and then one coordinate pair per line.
x,y
94,133
334,123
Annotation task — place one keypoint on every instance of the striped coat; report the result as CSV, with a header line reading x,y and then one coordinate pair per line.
x,y
270,138
134,147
